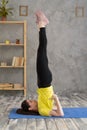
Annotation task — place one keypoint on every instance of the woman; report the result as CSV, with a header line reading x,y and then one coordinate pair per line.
x,y
46,97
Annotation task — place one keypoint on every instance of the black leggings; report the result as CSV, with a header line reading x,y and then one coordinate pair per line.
x,y
44,75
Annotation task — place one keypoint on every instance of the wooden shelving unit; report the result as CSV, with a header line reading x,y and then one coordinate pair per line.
x,y
24,55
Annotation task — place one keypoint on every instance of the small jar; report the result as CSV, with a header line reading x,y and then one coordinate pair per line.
x,y
17,41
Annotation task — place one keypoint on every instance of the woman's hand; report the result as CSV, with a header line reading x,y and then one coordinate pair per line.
x,y
54,97
59,111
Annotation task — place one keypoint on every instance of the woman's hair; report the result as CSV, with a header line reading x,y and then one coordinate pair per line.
x,y
24,110
25,106
30,112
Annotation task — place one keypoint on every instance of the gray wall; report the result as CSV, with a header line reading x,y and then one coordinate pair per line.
x,y
67,43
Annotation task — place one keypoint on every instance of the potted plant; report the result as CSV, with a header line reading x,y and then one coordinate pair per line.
x,y
4,11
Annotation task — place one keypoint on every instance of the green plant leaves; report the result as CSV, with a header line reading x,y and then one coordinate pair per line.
x,y
4,11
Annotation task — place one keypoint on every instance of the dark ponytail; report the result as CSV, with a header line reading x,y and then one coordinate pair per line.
x,y
25,106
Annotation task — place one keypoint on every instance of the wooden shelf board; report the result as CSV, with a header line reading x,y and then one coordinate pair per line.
x,y
11,44
11,66
13,22
9,88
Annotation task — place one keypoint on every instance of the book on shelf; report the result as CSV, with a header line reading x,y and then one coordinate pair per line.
x,y
18,85
6,85
18,61
10,85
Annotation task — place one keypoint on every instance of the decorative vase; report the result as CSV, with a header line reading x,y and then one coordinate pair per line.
x,y
7,42
4,18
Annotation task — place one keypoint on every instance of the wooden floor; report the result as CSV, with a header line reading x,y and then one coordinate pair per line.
x,y
9,102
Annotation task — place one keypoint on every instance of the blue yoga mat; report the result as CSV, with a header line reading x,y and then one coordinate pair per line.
x,y
68,113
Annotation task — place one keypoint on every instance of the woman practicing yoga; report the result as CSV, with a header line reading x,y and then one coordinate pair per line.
x,y
46,97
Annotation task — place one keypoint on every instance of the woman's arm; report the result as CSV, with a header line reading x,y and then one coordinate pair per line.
x,y
59,111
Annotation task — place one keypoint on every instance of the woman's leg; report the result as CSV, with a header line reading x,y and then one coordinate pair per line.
x,y
44,76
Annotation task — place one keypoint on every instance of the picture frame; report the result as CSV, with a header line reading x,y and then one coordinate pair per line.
x,y
79,11
23,10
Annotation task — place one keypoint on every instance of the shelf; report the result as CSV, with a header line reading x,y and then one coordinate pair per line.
x,y
22,88
11,44
13,22
11,66
15,65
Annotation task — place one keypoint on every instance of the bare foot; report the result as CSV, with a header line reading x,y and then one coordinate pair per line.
x,y
41,18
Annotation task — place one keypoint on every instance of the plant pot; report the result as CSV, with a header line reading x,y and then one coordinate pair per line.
x,y
3,18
